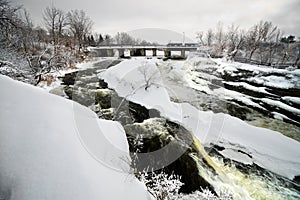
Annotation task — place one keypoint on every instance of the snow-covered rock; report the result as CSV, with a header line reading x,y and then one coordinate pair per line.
x,y
44,153
269,149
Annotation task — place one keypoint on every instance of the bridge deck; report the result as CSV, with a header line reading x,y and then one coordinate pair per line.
x,y
170,48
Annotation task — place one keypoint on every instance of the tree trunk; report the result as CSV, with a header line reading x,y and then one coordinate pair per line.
x,y
251,53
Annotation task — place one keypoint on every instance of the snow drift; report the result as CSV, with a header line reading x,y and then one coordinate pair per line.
x,y
242,142
41,154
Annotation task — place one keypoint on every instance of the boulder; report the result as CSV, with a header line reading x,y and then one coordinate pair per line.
x,y
69,78
154,134
103,98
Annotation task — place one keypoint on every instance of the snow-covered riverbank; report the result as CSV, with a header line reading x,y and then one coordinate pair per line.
x,y
240,141
265,89
42,156
154,84
265,146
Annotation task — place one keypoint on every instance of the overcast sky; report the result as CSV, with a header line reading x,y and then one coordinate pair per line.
x,y
189,16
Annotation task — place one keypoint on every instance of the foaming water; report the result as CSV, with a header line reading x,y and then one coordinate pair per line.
x,y
245,186
218,178
224,177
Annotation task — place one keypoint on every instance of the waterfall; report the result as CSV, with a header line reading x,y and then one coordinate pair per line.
x,y
227,178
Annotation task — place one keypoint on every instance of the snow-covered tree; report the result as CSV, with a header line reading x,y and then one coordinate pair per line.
x,y
205,194
235,40
258,35
221,39
209,37
10,23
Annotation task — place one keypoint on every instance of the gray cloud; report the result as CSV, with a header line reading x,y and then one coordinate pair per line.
x,y
187,16
288,18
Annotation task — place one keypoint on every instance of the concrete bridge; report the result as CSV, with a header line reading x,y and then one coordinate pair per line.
x,y
127,50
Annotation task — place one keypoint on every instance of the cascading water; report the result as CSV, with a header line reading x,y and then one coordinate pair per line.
x,y
219,180
226,176
242,186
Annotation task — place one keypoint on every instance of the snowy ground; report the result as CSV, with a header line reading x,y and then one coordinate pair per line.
x,y
176,81
243,142
271,91
60,73
43,155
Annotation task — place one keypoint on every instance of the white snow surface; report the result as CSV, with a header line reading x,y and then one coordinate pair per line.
x,y
42,155
255,68
193,80
275,81
269,149
284,78
249,87
295,100
281,105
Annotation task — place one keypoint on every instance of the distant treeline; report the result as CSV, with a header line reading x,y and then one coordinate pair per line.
x,y
263,43
73,28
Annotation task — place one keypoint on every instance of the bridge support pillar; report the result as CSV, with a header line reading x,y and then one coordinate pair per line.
x,y
132,52
143,52
110,53
167,53
101,53
121,53
183,53
154,52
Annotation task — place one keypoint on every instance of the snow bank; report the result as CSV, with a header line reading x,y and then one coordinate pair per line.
x,y
42,155
281,105
283,78
275,81
266,148
127,78
295,100
248,87
253,68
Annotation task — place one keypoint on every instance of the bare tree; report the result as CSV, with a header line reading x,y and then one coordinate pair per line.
x,y
232,36
267,31
55,21
260,33
209,37
261,44
220,38
41,37
124,39
10,23
297,60
150,76
108,40
8,14
41,65
26,37
80,24
235,40
253,39
273,46
200,36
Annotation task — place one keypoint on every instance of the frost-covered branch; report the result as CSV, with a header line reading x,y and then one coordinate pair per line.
x,y
161,185
150,76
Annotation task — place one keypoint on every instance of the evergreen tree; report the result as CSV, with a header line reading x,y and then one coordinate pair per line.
x,y
100,40
289,39
92,41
